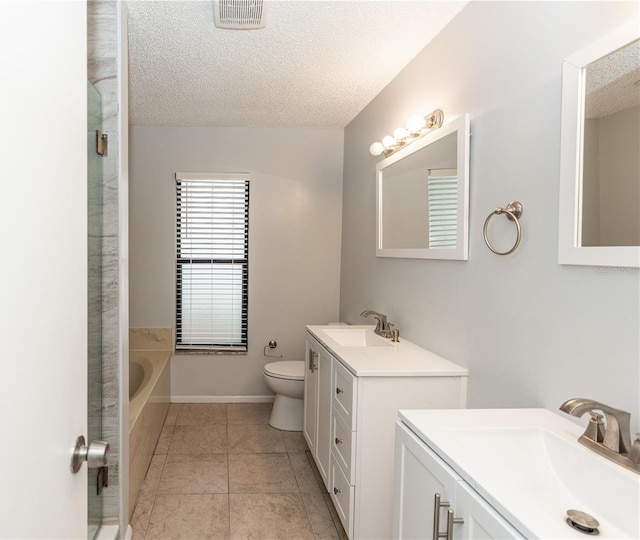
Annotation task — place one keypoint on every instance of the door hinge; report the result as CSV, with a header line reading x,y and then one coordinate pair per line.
x,y
103,479
102,143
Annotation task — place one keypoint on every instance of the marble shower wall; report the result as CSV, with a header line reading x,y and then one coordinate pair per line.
x,y
102,56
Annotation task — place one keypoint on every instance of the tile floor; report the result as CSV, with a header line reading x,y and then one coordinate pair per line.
x,y
220,471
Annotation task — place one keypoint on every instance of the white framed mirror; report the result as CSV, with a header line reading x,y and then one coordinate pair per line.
x,y
422,196
599,221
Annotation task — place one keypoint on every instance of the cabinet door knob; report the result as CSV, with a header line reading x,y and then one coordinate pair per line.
x,y
336,490
339,391
338,441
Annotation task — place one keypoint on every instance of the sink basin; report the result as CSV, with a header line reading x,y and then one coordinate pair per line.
x,y
528,464
356,337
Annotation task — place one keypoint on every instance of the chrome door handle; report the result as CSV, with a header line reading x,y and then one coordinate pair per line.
x,y
96,454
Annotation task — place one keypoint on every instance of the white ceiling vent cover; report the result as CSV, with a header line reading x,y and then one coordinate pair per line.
x,y
239,14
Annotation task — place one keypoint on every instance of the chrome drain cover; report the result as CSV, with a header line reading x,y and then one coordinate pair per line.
x,y
583,522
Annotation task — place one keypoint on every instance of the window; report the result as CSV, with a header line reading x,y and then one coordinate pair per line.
x,y
442,195
212,266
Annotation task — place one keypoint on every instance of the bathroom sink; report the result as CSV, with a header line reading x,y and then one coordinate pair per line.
x,y
356,337
528,464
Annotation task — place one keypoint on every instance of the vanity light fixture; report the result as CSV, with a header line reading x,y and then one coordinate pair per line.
x,y
417,126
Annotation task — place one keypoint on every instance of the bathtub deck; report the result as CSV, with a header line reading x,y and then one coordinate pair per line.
x,y
220,471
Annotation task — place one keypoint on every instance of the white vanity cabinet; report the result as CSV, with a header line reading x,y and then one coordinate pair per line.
x,y
421,478
366,389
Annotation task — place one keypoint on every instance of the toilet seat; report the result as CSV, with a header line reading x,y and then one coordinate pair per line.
x,y
292,370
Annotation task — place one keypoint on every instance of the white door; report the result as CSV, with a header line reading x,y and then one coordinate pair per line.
x,y
43,268
311,396
323,444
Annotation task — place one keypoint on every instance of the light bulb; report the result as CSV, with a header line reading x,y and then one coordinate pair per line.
x,y
376,148
415,123
388,141
400,134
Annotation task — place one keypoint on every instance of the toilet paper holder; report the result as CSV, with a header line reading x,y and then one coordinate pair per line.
x,y
271,345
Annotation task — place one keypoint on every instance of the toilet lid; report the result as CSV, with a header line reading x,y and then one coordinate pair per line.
x,y
286,369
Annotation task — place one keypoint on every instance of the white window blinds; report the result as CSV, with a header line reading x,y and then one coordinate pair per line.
x,y
442,186
212,267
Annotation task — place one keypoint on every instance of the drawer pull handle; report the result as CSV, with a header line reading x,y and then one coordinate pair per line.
x,y
338,441
451,521
336,490
313,360
436,516
339,391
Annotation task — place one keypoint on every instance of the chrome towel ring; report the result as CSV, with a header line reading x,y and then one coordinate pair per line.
x,y
513,211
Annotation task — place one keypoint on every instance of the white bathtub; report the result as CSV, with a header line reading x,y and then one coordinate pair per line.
x,y
149,397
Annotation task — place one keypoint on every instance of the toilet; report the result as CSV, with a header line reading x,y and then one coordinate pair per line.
x,y
286,379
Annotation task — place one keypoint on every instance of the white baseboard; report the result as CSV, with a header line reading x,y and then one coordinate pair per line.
x,y
222,399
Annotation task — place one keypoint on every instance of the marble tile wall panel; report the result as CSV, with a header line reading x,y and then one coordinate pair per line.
x,y
151,339
102,72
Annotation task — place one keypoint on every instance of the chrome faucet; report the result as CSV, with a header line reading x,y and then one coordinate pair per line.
x,y
383,328
611,440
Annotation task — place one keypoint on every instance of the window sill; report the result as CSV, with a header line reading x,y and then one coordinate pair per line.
x,y
216,352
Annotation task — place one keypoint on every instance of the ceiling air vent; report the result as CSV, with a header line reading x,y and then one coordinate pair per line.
x,y
239,14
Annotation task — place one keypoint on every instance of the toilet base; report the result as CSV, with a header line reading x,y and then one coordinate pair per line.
x,y
287,413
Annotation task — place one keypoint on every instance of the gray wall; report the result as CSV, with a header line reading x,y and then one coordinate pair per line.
x,y
294,240
611,190
591,184
619,173
531,332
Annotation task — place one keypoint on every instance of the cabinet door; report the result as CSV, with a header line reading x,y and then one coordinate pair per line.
x,y
481,521
323,444
420,475
310,424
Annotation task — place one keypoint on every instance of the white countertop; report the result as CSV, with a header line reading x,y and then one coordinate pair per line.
x,y
402,359
528,465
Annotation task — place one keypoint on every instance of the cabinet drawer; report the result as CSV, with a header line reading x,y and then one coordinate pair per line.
x,y
342,495
344,392
342,445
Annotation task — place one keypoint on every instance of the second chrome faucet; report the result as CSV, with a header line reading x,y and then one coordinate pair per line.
x,y
613,439
383,327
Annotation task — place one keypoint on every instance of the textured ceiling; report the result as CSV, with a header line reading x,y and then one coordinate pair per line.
x,y
613,82
316,64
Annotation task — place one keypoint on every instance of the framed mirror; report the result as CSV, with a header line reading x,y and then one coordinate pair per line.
x,y
422,196
599,221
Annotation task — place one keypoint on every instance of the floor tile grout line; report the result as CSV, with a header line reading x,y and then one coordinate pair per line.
x,y
157,486
155,495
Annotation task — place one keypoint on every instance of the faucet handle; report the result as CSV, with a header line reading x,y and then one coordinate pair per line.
x,y
595,428
634,455
386,329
